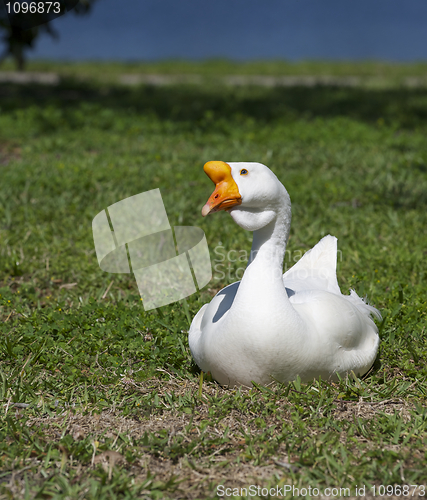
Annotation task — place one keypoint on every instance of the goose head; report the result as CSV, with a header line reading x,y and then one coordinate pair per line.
x,y
250,192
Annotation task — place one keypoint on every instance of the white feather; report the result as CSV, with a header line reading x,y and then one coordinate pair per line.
x,y
273,327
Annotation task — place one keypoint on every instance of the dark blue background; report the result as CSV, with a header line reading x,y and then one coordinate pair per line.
x,y
243,29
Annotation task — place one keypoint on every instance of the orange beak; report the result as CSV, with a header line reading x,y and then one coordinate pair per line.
x,y
226,194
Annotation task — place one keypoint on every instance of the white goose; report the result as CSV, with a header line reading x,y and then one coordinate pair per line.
x,y
272,327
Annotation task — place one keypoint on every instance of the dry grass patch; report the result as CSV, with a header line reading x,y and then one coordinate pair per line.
x,y
187,451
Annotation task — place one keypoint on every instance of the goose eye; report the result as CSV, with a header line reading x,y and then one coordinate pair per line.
x,y
243,171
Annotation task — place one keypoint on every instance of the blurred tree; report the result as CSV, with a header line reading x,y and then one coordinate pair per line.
x,y
19,31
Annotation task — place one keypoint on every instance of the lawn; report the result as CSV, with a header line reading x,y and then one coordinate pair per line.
x,y
100,399
370,73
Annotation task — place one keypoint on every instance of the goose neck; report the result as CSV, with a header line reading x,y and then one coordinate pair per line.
x,y
269,245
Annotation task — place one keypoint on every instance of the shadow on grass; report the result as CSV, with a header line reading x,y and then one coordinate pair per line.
x,y
74,104
190,103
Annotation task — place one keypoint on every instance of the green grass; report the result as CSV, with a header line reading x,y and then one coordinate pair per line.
x,y
378,73
100,375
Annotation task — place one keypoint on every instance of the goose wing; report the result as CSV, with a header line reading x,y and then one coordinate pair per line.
x,y
316,270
